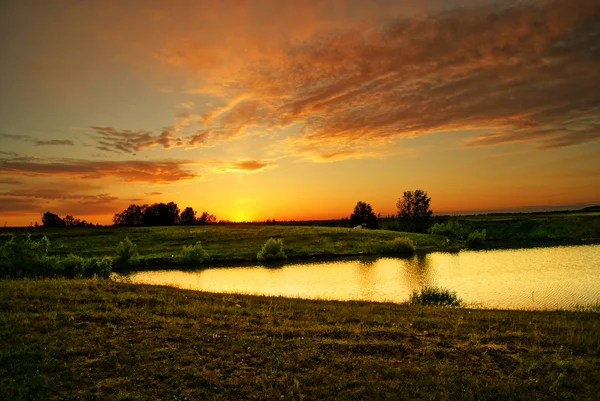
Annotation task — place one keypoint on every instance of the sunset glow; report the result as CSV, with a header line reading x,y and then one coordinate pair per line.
x,y
255,110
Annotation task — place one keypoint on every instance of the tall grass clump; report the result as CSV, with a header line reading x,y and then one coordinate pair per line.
x,y
127,254
271,250
22,256
476,238
435,297
193,255
401,245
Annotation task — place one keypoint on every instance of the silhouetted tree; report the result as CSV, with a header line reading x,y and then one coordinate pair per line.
x,y
188,216
363,214
132,216
413,208
71,221
52,220
207,218
161,214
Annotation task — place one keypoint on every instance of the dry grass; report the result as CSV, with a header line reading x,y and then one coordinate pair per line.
x,y
96,339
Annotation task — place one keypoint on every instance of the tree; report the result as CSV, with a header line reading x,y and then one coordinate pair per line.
x,y
413,208
161,214
71,221
52,220
188,216
132,216
207,218
363,214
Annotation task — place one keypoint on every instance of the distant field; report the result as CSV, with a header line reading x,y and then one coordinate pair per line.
x,y
97,339
225,243
239,243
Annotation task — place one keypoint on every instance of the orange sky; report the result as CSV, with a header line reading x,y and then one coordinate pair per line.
x,y
296,109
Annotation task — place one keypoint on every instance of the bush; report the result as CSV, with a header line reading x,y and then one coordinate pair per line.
x,y
452,229
73,266
193,255
476,238
435,296
401,245
127,254
100,267
21,256
272,250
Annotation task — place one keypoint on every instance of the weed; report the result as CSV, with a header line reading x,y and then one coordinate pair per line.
x,y
435,296
401,245
476,238
193,255
272,250
127,254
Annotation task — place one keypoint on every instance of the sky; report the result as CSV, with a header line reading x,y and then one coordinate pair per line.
x,y
255,110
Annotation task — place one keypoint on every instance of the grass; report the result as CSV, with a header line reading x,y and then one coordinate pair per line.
x,y
99,339
224,243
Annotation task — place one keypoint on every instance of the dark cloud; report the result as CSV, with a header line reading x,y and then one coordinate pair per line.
x,y
10,181
153,193
12,137
19,205
9,154
110,139
128,171
55,142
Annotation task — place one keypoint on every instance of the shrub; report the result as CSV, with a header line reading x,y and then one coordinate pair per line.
x,y
73,266
401,245
272,250
435,296
452,229
127,254
193,255
22,256
476,238
100,267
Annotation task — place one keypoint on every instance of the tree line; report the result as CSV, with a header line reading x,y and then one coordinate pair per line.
x,y
161,214
413,211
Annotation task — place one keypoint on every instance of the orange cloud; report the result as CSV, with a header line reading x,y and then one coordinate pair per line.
x,y
128,171
248,166
523,71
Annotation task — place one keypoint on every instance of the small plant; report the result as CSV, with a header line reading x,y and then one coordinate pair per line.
x,y
193,255
73,266
127,254
435,296
100,267
476,238
401,245
452,229
22,256
272,250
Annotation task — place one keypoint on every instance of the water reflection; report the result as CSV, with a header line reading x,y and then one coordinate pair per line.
x,y
541,278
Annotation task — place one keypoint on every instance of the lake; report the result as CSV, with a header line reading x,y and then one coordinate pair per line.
x,y
563,277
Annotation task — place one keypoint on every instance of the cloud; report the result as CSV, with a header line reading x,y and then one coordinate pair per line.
x,y
13,137
10,181
9,154
128,171
54,142
522,72
248,166
153,193
110,139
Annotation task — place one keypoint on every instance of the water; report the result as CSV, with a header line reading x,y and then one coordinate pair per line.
x,y
540,278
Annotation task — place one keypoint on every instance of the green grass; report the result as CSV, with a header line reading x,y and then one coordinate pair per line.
x,y
224,243
97,339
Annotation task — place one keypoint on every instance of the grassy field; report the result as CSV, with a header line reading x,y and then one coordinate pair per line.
x,y
98,339
224,243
